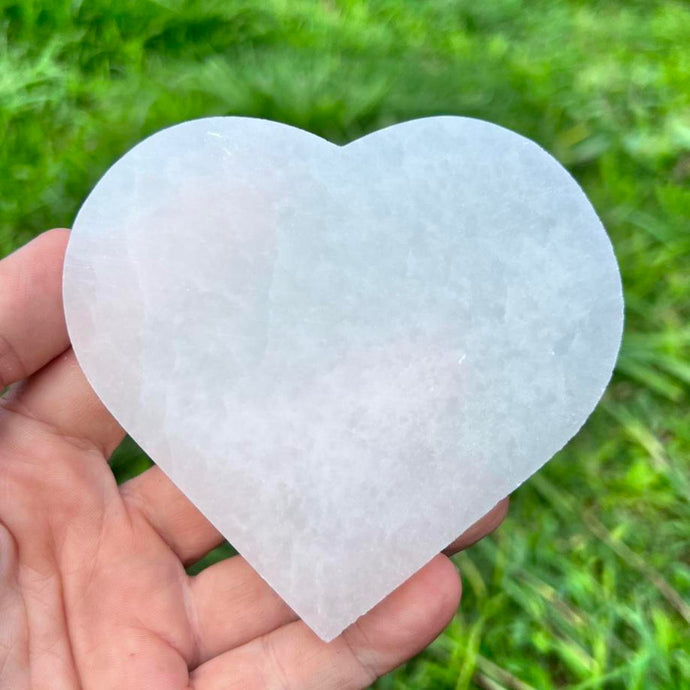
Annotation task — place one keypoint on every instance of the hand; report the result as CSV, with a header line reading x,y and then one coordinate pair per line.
x,y
93,588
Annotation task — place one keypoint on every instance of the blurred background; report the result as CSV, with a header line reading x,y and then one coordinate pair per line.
x,y
587,584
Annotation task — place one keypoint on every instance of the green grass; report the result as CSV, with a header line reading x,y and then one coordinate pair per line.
x,y
587,583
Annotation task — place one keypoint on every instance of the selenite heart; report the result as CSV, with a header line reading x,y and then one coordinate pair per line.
x,y
344,356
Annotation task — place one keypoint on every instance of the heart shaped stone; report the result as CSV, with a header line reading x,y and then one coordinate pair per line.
x,y
344,356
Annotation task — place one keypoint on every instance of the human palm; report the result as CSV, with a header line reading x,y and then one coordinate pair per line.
x,y
93,587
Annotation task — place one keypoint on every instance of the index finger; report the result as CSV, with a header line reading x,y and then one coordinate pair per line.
x,y
32,321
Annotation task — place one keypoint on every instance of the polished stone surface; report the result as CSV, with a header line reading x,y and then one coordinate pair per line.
x,y
343,355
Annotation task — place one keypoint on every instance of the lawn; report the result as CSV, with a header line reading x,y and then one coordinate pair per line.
x,y
587,584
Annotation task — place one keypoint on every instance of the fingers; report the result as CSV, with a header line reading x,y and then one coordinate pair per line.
x,y
188,533
481,528
292,656
233,603
32,323
60,397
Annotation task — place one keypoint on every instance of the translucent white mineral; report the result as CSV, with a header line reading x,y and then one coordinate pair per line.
x,y
343,355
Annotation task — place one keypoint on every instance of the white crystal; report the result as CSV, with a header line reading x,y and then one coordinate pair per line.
x,y
343,355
